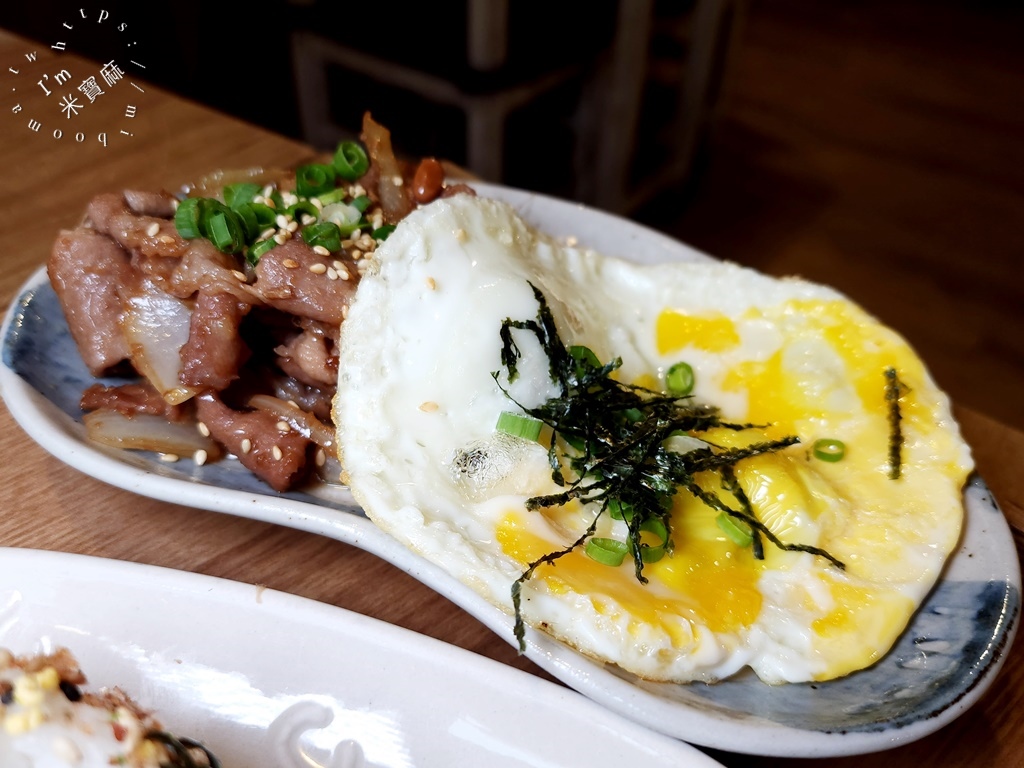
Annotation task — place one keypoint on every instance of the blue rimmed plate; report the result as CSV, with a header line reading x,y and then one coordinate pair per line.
x,y
943,663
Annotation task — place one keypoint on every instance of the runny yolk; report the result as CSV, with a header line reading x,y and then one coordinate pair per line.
x,y
675,331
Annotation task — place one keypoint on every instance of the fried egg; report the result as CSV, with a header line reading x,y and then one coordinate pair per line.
x,y
418,400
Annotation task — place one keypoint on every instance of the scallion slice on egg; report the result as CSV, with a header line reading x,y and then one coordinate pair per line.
x,y
829,450
518,425
737,530
679,379
606,551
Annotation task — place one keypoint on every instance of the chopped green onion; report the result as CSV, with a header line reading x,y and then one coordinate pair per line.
x,y
312,180
258,249
302,207
336,195
225,230
361,203
381,233
829,450
248,218
518,425
649,553
619,510
606,551
186,218
240,193
323,233
350,160
580,353
679,380
735,529
347,217
265,215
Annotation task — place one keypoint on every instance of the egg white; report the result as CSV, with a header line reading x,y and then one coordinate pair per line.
x,y
417,404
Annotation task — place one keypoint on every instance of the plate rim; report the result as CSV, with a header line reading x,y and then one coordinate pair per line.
x,y
683,721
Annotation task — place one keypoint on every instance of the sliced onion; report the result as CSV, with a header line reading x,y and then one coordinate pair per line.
x,y
156,325
149,432
304,423
392,196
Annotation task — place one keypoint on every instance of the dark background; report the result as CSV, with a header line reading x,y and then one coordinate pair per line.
x,y
874,145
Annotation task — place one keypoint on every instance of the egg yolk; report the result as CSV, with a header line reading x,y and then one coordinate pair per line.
x,y
676,331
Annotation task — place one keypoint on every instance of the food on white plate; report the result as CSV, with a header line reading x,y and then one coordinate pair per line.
x,y
212,320
684,469
48,720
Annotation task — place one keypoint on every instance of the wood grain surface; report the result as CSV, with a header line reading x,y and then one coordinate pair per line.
x,y
46,505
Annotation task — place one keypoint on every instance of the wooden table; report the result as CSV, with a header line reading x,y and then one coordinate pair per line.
x,y
47,182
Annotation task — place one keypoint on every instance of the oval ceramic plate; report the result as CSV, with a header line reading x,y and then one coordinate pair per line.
x,y
265,678
943,662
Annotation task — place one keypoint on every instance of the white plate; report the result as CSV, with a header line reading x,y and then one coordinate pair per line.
x,y
269,679
943,663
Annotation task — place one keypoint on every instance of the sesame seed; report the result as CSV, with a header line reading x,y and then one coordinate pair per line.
x,y
318,269
267,233
356,254
281,220
269,202
431,284
367,243
307,219
166,239
321,457
290,264
283,426
292,226
356,235
260,200
289,198
397,181
174,204
153,229
332,273
320,250
246,445
203,429
316,202
357,190
343,273
239,275
200,457
344,311
168,458
429,407
277,453
282,237
268,190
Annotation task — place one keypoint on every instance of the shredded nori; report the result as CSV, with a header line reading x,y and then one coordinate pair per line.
x,y
893,391
609,446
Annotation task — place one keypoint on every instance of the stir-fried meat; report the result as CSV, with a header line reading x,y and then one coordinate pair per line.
x,y
144,235
203,267
130,400
295,279
310,357
160,204
258,439
87,270
315,400
214,351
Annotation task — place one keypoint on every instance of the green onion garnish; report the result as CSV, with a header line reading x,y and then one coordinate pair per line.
x,y
336,195
265,215
518,425
619,510
381,233
240,193
737,530
361,203
251,224
226,231
829,450
186,218
350,160
258,249
679,380
302,207
649,553
606,551
312,180
323,233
